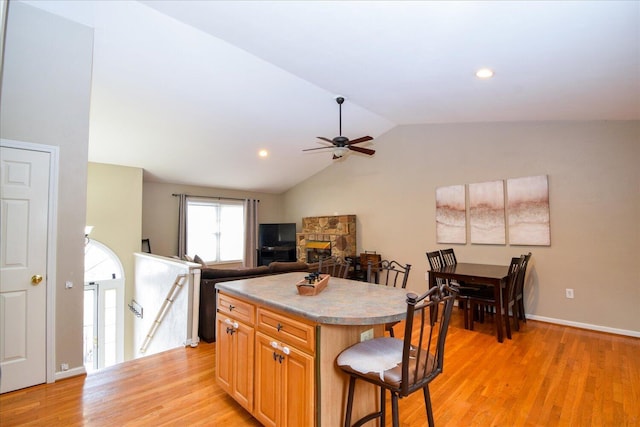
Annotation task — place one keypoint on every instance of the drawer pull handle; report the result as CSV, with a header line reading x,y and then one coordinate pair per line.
x,y
279,326
231,307
278,357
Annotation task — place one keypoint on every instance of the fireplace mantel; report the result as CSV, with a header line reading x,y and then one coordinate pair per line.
x,y
340,230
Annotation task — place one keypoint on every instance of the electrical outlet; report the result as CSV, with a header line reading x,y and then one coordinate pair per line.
x,y
64,366
569,293
366,335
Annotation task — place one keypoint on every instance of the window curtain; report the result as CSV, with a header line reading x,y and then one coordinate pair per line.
x,y
251,232
182,226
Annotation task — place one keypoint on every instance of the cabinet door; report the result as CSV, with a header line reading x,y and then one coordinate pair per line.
x,y
224,356
284,384
243,340
267,386
234,360
297,389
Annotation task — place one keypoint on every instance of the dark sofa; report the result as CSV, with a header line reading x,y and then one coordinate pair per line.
x,y
210,276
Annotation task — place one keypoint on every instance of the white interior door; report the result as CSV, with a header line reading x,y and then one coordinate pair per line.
x,y
24,197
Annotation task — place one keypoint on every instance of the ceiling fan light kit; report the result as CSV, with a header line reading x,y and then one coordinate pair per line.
x,y
339,152
341,145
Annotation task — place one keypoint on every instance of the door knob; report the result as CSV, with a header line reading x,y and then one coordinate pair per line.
x,y
36,279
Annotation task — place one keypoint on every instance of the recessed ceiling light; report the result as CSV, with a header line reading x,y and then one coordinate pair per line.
x,y
484,73
263,153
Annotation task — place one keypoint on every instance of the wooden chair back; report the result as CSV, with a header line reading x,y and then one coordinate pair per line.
x,y
367,257
435,262
448,256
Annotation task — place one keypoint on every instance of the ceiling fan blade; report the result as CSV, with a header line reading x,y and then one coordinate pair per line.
x,y
325,139
359,140
362,150
319,148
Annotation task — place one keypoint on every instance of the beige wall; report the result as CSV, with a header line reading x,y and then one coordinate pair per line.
x,y
114,209
160,211
594,181
45,100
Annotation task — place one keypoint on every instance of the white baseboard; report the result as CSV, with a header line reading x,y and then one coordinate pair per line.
x,y
581,325
585,326
192,342
60,375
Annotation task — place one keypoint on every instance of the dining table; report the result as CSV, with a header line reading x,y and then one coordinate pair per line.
x,y
486,274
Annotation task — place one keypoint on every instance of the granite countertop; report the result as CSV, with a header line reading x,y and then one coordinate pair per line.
x,y
343,302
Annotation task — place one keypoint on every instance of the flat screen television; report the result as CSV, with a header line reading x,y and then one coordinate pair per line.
x,y
271,235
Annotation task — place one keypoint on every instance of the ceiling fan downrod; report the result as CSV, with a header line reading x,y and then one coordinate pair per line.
x,y
340,100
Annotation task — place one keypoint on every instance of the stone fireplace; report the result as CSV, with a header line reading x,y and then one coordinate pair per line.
x,y
326,236
317,249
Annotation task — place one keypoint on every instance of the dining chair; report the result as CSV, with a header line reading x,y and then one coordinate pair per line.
x,y
388,273
334,267
486,297
437,260
405,365
519,291
448,256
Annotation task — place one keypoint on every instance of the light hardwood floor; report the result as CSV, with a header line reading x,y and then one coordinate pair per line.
x,y
548,375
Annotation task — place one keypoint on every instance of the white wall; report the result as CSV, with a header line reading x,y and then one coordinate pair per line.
x,y
594,181
46,86
165,325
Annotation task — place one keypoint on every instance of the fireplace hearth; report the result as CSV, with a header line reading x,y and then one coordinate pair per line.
x,y
324,236
318,249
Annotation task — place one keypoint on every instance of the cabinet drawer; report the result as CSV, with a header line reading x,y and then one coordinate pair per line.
x,y
290,331
236,308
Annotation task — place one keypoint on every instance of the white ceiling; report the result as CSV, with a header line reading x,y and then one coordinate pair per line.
x,y
191,90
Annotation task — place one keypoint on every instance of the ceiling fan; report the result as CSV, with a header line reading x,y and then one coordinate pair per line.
x,y
342,144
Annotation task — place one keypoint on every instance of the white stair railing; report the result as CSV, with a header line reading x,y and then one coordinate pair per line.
x,y
171,296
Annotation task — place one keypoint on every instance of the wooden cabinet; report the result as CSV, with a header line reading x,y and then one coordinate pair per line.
x,y
235,349
284,384
281,354
281,367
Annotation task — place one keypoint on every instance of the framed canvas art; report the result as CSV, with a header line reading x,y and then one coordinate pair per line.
x,y
528,211
486,213
451,214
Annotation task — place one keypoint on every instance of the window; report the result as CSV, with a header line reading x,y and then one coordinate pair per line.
x,y
215,230
103,307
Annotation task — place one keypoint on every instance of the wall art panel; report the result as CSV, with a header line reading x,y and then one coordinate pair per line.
x,y
486,213
451,214
528,211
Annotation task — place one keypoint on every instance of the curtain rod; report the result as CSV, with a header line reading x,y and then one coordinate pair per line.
x,y
211,197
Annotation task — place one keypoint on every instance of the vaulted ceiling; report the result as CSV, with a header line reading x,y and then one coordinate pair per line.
x,y
192,90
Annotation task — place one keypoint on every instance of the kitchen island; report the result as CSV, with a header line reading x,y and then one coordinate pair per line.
x,y
276,349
